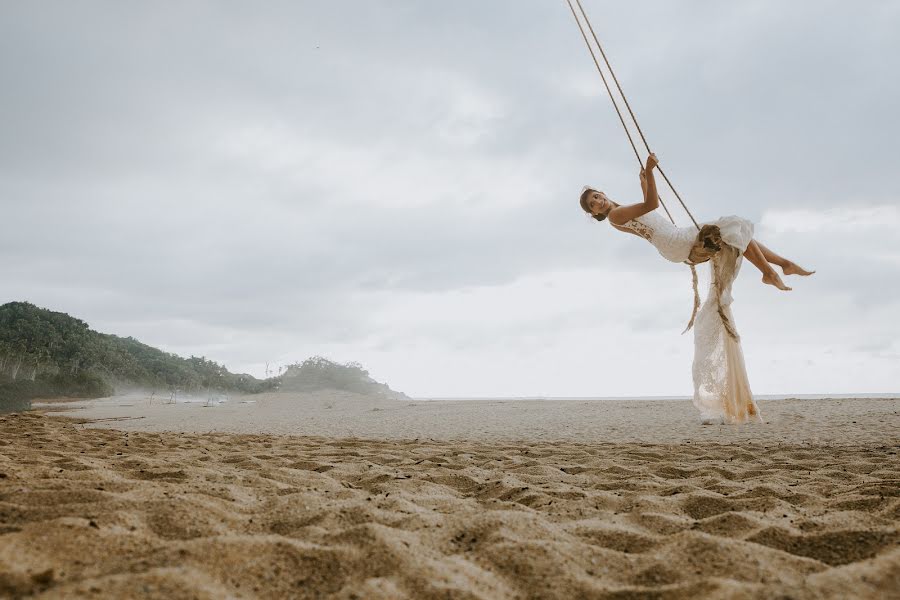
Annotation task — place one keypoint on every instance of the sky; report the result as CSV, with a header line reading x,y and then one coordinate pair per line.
x,y
396,183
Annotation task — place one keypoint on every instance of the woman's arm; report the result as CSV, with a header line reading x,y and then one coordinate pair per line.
x,y
622,214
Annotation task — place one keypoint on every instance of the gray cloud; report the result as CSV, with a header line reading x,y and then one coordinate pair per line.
x,y
228,173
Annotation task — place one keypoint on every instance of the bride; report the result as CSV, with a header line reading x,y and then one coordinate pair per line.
x,y
721,388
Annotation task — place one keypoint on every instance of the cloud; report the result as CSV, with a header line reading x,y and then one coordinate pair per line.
x,y
852,219
397,184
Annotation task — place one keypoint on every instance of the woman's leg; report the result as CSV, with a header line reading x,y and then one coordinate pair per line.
x,y
755,255
789,267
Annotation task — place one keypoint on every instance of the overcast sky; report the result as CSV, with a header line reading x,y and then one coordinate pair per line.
x,y
396,182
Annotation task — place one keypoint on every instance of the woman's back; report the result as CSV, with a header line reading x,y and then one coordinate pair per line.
x,y
672,242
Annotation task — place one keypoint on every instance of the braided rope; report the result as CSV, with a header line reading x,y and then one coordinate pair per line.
x,y
634,147
637,154
627,105
631,112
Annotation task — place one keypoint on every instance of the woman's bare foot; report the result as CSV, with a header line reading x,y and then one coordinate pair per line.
x,y
772,278
794,269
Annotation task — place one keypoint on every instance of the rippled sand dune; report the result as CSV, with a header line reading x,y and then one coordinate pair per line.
x,y
125,514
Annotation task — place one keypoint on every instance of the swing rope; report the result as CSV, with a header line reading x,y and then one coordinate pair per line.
x,y
627,105
637,155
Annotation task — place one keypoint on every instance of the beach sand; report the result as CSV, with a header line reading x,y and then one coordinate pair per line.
x,y
333,495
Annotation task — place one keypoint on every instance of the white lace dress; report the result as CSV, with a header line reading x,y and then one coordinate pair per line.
x,y
721,387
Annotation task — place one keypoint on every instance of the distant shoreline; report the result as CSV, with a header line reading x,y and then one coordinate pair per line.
x,y
879,395
336,414
192,399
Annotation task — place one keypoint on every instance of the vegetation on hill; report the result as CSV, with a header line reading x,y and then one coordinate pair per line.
x,y
45,354
318,373
49,354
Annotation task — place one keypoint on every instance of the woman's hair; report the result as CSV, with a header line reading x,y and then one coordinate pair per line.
x,y
583,200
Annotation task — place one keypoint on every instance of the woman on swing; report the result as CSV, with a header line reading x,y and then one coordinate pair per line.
x,y
676,243
721,386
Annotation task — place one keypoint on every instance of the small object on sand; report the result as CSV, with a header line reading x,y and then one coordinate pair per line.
x,y
43,578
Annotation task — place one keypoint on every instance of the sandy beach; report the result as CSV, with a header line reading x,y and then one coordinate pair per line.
x,y
348,415
334,495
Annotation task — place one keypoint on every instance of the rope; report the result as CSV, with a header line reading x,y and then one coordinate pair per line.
x,y
627,105
637,155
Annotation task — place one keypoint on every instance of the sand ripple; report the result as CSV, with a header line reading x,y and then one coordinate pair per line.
x,y
106,513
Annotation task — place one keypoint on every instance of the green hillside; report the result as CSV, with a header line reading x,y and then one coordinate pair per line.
x,y
47,354
319,373
50,354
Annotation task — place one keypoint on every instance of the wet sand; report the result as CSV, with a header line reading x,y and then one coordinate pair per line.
x,y
573,499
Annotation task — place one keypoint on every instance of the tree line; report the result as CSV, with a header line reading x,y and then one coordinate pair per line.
x,y
46,354
319,373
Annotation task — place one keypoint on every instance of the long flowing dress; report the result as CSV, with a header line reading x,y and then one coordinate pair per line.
x,y
721,386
